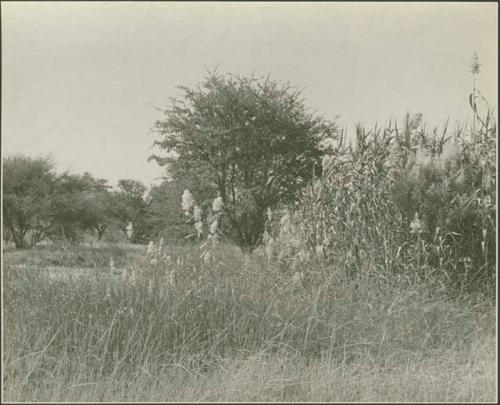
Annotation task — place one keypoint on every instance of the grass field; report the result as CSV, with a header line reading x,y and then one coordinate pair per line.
x,y
240,329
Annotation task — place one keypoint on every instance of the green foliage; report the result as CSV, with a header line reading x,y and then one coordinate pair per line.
x,y
28,193
81,204
165,217
252,140
38,204
130,206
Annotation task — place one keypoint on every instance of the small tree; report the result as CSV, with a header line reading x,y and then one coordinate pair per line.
x,y
165,217
251,139
81,204
97,211
130,206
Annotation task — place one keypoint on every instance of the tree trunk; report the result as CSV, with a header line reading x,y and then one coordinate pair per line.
x,y
100,232
18,237
251,228
7,234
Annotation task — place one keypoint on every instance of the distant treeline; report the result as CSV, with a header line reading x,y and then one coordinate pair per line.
x,y
40,205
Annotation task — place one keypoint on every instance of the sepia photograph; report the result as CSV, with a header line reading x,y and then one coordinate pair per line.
x,y
256,201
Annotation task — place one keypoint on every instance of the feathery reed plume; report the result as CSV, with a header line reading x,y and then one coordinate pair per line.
x,y
130,230
187,201
217,204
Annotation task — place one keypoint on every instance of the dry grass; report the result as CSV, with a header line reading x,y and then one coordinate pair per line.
x,y
224,340
447,376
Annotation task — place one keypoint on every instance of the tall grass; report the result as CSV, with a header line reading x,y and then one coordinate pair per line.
x,y
74,339
404,203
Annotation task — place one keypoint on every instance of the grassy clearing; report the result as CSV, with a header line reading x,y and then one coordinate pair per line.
x,y
95,255
238,330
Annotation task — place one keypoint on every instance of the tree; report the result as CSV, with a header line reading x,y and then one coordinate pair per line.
x,y
164,214
81,204
96,205
28,192
97,212
130,206
250,139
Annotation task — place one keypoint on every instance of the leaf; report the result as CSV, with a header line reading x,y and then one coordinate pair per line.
x,y
471,101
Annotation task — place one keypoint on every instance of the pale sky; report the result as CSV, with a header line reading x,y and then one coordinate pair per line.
x,y
79,80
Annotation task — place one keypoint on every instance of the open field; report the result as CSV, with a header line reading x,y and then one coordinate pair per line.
x,y
242,203
238,330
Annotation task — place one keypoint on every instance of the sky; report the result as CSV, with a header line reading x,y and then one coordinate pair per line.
x,y
80,80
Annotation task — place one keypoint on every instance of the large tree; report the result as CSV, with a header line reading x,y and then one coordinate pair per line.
x,y
252,140
29,186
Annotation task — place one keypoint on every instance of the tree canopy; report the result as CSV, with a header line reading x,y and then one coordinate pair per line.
x,y
39,204
28,193
251,140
